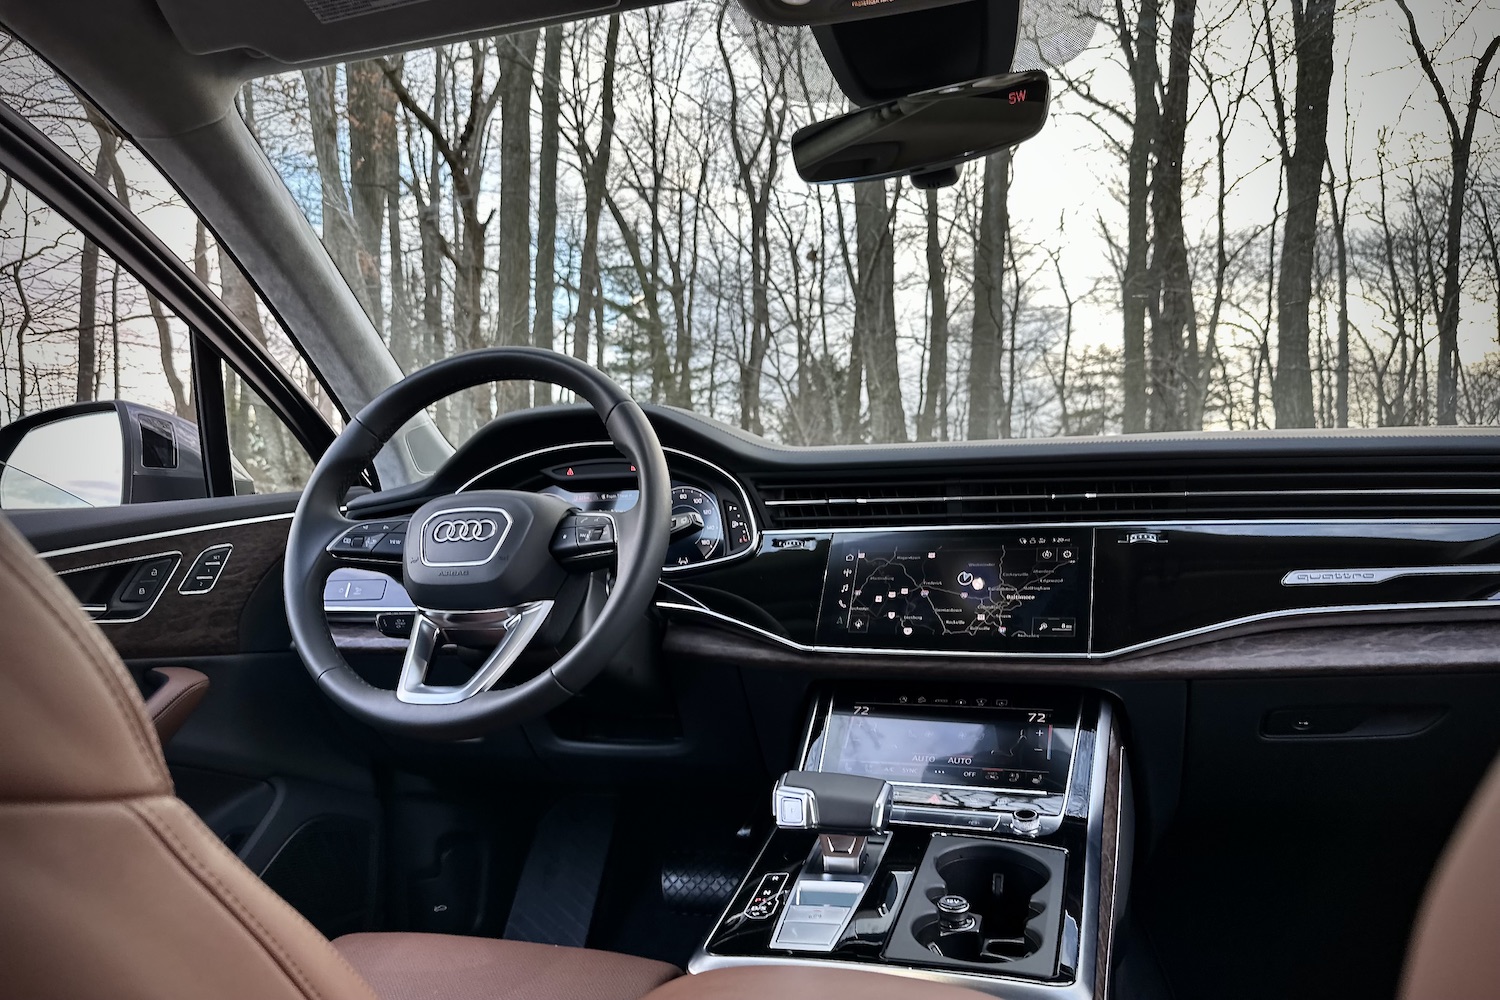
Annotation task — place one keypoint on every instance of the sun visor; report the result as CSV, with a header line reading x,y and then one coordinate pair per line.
x,y
314,31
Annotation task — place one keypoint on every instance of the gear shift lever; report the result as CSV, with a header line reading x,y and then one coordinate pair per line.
x,y
844,809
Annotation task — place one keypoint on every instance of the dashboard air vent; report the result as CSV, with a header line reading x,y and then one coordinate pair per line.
x,y
1238,494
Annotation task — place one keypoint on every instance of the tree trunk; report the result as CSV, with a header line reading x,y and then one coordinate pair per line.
x,y
542,325
596,174
88,282
372,149
1340,211
339,234
1135,289
1292,393
875,309
1172,365
932,422
517,55
987,340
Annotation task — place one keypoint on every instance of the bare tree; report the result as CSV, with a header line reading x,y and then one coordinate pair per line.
x,y
1461,139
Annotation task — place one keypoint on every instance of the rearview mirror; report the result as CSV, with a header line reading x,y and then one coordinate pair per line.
x,y
926,133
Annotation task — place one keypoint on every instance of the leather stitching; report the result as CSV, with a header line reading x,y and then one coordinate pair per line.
x,y
205,874
25,571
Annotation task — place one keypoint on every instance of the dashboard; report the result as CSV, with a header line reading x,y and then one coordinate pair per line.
x,y
1039,551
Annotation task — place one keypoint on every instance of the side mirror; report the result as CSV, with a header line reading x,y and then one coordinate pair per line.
x,y
99,455
927,134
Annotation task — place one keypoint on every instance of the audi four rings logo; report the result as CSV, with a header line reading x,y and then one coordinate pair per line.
x,y
464,530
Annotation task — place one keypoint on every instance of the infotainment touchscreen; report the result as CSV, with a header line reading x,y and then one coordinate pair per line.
x,y
958,591
981,743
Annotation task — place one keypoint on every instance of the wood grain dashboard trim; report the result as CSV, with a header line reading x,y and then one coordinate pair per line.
x,y
1417,642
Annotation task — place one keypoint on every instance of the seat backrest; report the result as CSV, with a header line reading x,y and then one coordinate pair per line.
x,y
110,887
1455,950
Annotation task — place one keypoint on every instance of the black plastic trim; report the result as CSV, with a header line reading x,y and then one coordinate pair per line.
x,y
213,419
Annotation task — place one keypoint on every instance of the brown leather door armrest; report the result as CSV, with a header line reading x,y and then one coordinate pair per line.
x,y
179,694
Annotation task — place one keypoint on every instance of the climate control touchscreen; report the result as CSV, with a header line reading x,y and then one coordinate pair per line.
x,y
991,743
1012,592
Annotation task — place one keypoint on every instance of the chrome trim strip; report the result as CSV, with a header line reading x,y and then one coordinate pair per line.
x,y
519,625
1365,576
129,539
739,487
1092,656
846,501
165,584
1169,522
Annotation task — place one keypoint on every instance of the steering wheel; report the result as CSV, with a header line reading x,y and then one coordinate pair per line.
x,y
486,568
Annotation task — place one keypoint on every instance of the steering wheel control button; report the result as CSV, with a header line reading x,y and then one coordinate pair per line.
x,y
584,540
392,545
395,624
205,571
357,541
767,898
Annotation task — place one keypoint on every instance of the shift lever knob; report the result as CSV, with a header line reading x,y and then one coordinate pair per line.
x,y
831,803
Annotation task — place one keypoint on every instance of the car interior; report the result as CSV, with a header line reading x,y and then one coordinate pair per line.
x,y
609,697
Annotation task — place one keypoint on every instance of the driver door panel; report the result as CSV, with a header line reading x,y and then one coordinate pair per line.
x,y
211,572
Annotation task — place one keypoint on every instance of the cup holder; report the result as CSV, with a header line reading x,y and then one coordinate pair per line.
x,y
983,903
1001,888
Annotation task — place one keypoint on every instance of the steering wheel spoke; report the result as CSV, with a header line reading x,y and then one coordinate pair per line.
x,y
515,627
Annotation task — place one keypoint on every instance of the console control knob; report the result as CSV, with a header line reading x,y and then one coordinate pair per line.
x,y
1026,821
953,912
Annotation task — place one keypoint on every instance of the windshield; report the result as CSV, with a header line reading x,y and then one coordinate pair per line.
x,y
1240,216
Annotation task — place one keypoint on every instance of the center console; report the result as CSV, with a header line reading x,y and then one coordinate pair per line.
x,y
961,834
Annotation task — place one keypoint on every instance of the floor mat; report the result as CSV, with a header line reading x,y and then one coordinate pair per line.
x,y
559,883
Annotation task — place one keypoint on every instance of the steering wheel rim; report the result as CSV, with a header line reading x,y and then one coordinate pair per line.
x,y
319,522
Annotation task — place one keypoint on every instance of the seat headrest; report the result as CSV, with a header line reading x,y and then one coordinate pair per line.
x,y
72,725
